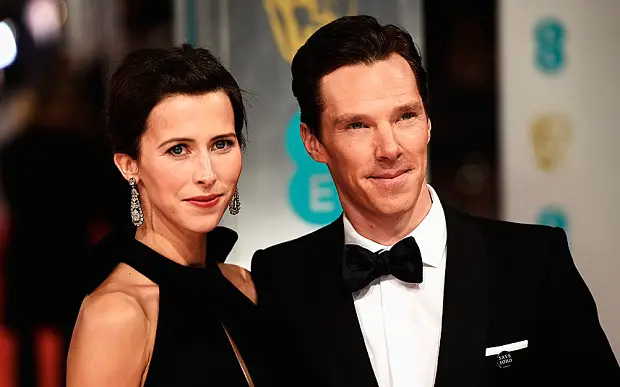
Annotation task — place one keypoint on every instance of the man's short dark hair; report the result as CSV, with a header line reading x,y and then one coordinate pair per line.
x,y
347,41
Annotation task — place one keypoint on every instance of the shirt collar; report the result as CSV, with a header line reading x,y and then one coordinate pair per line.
x,y
430,234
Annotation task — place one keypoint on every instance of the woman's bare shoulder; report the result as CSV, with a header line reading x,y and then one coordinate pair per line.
x,y
241,278
111,304
125,285
109,342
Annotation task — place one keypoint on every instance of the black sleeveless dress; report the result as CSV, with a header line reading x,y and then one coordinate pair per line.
x,y
191,346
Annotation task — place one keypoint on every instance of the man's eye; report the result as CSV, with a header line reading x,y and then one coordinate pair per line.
x,y
407,116
355,125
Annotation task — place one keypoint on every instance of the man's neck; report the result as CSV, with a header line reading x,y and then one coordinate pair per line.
x,y
389,230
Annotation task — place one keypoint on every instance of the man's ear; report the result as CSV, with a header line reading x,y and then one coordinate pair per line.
x,y
430,126
313,146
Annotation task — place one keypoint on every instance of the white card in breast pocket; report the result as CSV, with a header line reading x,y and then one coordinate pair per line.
x,y
506,348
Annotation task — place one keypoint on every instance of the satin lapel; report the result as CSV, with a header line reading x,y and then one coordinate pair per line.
x,y
464,322
338,340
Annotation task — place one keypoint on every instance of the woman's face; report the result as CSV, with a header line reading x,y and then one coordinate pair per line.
x,y
189,162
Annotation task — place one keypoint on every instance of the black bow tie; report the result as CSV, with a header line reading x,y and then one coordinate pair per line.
x,y
360,266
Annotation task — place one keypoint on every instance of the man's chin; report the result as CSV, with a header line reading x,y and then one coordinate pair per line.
x,y
395,207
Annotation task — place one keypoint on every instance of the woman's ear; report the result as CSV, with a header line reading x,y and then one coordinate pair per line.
x,y
126,165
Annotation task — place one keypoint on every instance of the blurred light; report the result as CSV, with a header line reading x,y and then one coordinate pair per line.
x,y
8,44
43,19
471,177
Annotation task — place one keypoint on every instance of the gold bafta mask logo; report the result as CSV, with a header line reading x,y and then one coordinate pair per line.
x,y
293,21
551,135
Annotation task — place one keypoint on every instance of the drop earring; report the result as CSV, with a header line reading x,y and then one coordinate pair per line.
x,y
235,204
137,217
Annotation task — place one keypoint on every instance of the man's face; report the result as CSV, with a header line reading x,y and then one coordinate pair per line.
x,y
373,137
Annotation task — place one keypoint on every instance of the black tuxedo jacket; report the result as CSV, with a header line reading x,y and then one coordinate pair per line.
x,y
504,283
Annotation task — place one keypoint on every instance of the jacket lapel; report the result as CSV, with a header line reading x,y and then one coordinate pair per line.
x,y
338,338
464,322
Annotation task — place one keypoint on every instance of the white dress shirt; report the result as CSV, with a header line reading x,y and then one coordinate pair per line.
x,y
401,322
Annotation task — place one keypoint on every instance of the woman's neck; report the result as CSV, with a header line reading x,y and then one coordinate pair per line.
x,y
185,248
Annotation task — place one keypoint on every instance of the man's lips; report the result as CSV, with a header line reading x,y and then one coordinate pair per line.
x,y
389,174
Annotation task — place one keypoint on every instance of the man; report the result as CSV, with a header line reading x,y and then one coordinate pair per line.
x,y
456,300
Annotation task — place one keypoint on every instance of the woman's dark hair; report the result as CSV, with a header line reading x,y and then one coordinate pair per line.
x,y
147,76
347,41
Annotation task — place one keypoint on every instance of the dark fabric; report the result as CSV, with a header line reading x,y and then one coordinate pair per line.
x,y
504,283
191,347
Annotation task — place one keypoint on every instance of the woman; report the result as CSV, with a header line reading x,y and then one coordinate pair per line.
x,y
171,313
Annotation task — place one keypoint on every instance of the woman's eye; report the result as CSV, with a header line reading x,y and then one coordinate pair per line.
x,y
222,144
177,150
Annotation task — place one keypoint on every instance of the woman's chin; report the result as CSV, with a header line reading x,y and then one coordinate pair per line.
x,y
202,225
